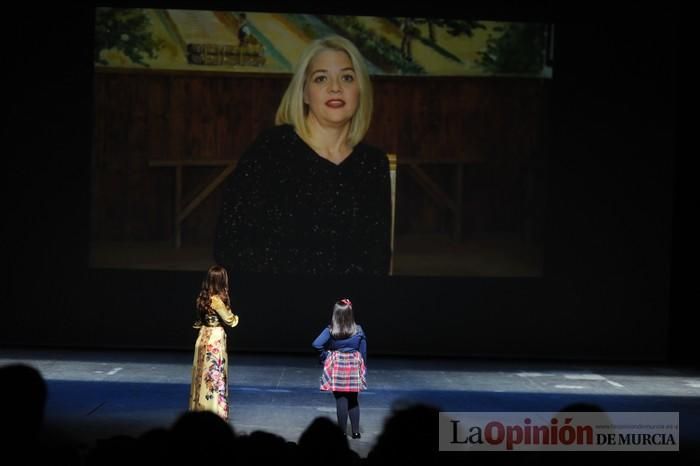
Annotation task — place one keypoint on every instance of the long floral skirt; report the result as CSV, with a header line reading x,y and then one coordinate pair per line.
x,y
209,391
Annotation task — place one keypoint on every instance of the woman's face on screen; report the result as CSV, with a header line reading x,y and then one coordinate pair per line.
x,y
331,90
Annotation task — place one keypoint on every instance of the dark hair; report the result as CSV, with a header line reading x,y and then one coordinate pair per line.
x,y
343,322
214,284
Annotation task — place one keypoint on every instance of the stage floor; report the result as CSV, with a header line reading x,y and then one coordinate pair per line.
x,y
100,394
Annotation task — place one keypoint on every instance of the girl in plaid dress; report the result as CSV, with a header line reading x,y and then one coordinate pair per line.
x,y
343,348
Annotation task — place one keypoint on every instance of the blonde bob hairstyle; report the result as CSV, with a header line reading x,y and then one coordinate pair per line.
x,y
293,110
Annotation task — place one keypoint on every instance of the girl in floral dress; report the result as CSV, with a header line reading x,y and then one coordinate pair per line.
x,y
209,389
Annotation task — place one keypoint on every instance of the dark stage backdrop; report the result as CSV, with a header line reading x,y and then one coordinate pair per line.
x,y
606,288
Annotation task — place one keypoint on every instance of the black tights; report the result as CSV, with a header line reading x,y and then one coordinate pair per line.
x,y
346,403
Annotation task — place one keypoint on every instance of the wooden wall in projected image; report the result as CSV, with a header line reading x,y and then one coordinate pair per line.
x,y
489,134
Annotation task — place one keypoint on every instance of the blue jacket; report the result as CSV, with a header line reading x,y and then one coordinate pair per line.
x,y
325,343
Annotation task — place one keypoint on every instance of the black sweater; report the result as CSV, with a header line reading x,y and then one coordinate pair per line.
x,y
286,210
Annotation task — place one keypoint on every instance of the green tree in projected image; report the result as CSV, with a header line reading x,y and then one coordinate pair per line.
x,y
126,30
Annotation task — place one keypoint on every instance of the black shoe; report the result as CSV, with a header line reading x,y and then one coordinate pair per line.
x,y
356,435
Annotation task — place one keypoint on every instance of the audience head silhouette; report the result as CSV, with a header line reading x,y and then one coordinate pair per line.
x,y
323,438
26,418
410,435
